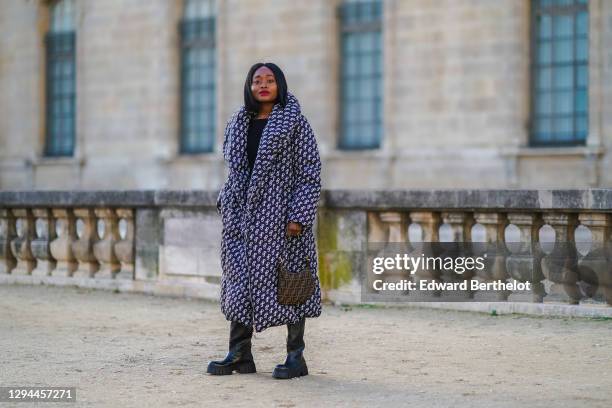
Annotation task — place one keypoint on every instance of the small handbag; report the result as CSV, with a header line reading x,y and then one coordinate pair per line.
x,y
294,288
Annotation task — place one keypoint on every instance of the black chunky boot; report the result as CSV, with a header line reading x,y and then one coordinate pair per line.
x,y
239,358
295,364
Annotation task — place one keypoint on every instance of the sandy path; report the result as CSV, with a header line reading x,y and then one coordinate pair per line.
x,y
137,350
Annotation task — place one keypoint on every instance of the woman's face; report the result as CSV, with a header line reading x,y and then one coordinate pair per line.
x,y
263,86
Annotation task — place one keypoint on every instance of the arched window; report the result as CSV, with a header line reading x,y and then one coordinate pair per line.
x,y
60,79
361,74
197,125
559,74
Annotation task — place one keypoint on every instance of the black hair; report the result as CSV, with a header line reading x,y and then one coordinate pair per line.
x,y
250,103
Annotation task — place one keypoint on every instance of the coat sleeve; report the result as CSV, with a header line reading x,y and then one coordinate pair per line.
x,y
226,136
307,171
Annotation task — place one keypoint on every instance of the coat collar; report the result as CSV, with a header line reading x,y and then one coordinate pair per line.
x,y
273,139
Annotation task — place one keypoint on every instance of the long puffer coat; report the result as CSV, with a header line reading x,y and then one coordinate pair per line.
x,y
285,185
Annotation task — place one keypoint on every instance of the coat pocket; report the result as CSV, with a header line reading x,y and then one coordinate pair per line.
x,y
295,253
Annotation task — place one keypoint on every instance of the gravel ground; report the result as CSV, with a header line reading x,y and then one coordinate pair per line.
x,y
137,350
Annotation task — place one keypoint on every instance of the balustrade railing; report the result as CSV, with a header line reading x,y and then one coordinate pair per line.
x,y
169,241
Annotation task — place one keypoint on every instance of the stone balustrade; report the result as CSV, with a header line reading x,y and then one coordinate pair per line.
x,y
168,242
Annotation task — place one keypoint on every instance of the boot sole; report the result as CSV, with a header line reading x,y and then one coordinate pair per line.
x,y
247,367
287,374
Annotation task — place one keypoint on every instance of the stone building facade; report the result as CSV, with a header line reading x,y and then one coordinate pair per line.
x,y
456,92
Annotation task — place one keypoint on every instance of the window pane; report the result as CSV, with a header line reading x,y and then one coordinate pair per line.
x,y
366,65
563,125
368,42
544,76
350,44
562,51
545,27
544,103
582,101
544,126
62,16
563,26
581,126
563,102
350,67
583,76
349,91
352,112
379,112
545,53
564,77
545,3
582,49
199,9
582,23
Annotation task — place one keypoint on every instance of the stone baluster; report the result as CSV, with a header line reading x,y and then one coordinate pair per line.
x,y
61,247
396,227
124,249
21,245
82,248
461,226
388,230
593,268
104,249
429,222
495,263
561,265
7,234
525,257
45,233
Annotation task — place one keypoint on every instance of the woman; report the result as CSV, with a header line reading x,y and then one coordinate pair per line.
x,y
268,206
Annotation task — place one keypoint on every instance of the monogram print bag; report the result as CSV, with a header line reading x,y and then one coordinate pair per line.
x,y
294,288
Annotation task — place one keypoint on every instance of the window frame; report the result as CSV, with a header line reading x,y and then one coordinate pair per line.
x,y
186,44
60,46
554,10
373,142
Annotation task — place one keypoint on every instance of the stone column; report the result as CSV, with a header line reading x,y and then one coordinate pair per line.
x,y
83,247
61,247
7,234
45,233
124,249
21,245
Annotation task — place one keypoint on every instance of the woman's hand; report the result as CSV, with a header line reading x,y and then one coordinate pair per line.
x,y
294,229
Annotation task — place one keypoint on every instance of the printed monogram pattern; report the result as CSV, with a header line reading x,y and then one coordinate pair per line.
x,y
285,185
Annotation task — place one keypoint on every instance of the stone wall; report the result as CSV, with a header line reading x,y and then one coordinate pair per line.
x,y
456,90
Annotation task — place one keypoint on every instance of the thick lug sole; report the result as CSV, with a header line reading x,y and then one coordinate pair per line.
x,y
245,367
285,373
